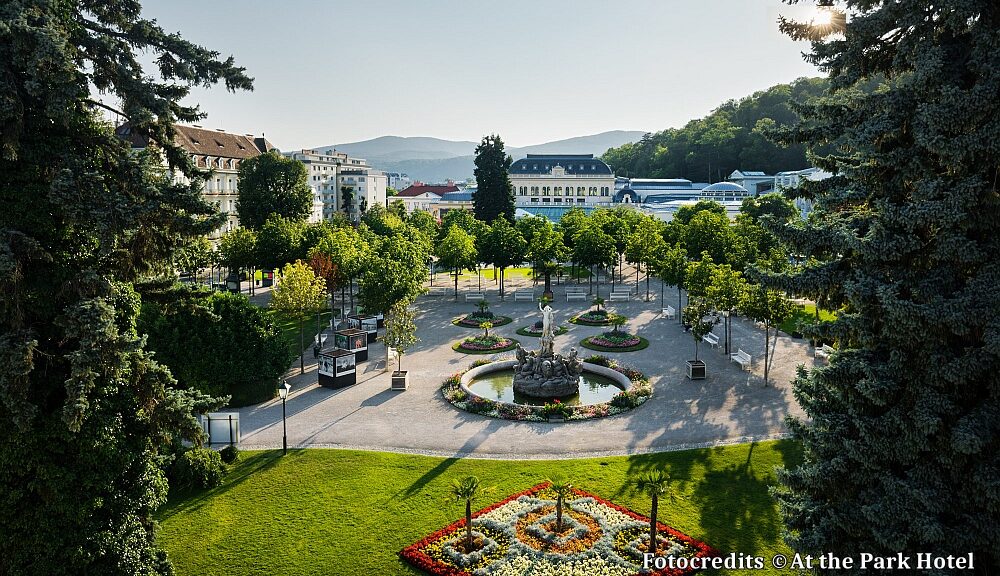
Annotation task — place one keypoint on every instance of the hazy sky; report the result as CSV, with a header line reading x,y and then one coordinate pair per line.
x,y
533,71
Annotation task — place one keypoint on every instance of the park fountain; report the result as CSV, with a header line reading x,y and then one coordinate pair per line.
x,y
540,376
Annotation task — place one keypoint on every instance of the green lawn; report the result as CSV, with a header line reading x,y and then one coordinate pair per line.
x,y
346,512
805,313
289,327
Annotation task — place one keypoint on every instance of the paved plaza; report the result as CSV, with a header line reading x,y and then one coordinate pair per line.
x,y
730,405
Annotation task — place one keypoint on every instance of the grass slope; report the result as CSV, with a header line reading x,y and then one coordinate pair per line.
x,y
289,326
805,313
321,512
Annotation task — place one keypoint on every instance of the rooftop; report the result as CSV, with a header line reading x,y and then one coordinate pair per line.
x,y
198,140
573,164
417,190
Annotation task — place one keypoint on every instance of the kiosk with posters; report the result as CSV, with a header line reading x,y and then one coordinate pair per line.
x,y
337,368
267,278
365,322
354,340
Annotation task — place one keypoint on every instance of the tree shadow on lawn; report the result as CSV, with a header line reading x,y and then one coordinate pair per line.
x,y
249,464
737,510
475,440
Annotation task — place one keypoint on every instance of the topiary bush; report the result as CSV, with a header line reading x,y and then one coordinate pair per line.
x,y
229,454
197,469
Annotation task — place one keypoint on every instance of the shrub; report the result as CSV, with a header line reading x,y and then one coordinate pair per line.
x,y
229,454
219,344
198,469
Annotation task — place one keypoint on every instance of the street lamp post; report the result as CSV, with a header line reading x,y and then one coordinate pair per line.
x,y
283,392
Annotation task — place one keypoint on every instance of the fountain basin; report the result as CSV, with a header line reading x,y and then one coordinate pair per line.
x,y
605,392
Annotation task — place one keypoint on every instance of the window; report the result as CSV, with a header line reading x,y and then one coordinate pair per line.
x,y
534,190
593,190
569,191
558,190
546,199
580,190
580,200
605,191
557,199
546,191
534,199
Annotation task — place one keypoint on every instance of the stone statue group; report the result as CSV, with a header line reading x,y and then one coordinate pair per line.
x,y
547,374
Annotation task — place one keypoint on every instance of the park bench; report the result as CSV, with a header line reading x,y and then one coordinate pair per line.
x,y
742,358
824,352
474,297
436,292
570,296
322,340
526,296
669,312
620,296
712,339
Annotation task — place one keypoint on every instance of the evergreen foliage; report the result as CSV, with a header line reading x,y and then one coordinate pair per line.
x,y
902,443
84,407
272,184
494,195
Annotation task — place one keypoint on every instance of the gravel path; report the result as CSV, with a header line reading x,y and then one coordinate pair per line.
x,y
729,406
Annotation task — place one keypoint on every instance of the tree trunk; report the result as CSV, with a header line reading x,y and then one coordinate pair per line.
x,y
767,343
548,281
302,347
696,345
662,303
637,282
479,273
652,526
559,514
456,284
468,525
680,316
647,283
351,290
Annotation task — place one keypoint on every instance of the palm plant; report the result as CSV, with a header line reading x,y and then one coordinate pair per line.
x,y
617,320
598,302
654,484
562,490
466,490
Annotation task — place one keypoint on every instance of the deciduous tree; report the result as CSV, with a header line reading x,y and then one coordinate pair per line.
x,y
272,184
298,294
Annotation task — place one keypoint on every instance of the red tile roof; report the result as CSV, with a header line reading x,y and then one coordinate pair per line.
x,y
200,141
418,190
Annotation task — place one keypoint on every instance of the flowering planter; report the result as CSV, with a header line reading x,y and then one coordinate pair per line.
x,y
696,369
400,380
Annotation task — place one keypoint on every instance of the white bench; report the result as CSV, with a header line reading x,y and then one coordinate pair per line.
x,y
742,358
322,339
824,352
435,292
620,296
570,296
526,296
474,297
669,312
712,339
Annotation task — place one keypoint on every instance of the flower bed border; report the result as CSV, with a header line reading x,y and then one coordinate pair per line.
x,y
577,320
413,556
457,347
523,331
497,321
642,345
636,395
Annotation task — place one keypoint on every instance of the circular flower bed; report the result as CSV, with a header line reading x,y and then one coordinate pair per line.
x,y
476,318
536,330
485,345
592,318
615,342
637,394
519,536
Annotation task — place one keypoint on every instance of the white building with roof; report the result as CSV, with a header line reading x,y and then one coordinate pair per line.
x,y
793,179
329,171
755,181
215,150
561,180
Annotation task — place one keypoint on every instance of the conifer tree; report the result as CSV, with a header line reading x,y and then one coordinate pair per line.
x,y
902,444
494,196
84,408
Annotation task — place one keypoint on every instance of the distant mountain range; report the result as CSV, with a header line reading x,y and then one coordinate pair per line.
x,y
436,160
